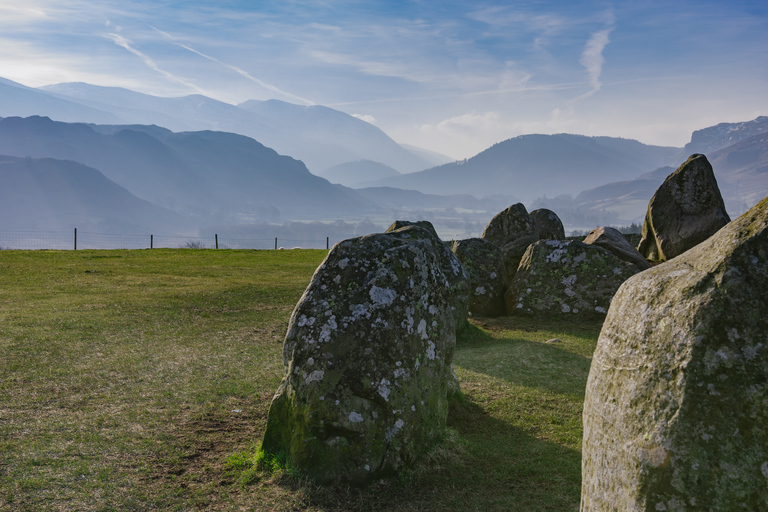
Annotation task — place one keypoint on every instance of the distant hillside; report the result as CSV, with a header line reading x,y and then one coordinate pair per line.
x,y
209,175
319,136
19,100
323,137
48,194
434,158
357,174
530,166
711,139
624,199
741,171
388,197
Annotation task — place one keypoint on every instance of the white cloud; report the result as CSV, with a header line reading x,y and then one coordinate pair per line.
x,y
14,14
366,118
592,58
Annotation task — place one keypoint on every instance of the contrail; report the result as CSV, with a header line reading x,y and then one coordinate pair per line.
x,y
247,75
125,43
236,69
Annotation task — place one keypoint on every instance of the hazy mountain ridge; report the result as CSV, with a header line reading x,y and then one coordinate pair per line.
x,y
50,194
357,174
529,165
741,170
714,138
205,174
319,136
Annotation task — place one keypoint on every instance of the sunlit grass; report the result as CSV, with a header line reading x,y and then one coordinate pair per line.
x,y
128,379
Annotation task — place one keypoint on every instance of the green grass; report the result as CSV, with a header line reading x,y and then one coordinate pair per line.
x,y
133,380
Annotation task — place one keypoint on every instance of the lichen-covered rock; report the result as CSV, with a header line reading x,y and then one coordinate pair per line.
x,y
612,239
513,230
685,210
509,225
676,407
451,266
484,265
566,279
368,360
425,224
549,224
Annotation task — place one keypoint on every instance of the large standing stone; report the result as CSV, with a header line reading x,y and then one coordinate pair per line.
x,y
685,210
368,360
484,264
676,407
570,278
513,230
451,266
612,239
549,224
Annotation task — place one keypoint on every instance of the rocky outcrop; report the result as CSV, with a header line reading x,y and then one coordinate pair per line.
x,y
368,360
612,239
549,225
685,210
676,407
513,230
484,265
569,279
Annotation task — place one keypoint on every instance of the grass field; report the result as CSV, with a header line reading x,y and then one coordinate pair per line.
x,y
127,379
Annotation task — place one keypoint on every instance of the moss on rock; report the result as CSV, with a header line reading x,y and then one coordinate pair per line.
x,y
676,408
566,278
368,367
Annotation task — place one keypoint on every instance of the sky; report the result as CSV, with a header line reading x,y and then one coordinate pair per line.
x,y
450,76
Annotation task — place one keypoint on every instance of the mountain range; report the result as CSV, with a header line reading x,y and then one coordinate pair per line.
x,y
206,175
215,177
319,136
530,165
738,153
46,194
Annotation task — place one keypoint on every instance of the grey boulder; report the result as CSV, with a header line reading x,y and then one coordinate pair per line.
x,y
612,239
513,230
685,210
367,360
676,406
484,265
549,224
566,279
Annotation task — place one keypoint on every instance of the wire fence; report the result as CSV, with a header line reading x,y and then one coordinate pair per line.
x,y
78,240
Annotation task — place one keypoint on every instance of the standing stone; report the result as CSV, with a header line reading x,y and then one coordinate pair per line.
x,y
513,230
612,239
549,224
368,360
484,264
424,224
685,210
570,279
450,265
676,406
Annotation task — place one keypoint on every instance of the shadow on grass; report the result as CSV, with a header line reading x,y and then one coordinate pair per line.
x,y
523,362
486,465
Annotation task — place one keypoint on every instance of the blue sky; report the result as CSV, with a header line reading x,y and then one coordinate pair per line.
x,y
454,77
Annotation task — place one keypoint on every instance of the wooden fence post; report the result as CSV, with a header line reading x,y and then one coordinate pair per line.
x,y
75,238
326,242
151,241
217,240
275,243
